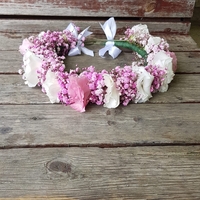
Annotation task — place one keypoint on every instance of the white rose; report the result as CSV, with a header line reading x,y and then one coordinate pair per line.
x,y
112,95
140,29
164,61
151,42
31,64
143,84
51,87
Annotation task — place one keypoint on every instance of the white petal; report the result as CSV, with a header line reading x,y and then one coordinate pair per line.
x,y
151,42
165,62
140,29
144,82
112,96
32,64
51,87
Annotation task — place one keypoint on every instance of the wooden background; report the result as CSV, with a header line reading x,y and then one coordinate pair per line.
x,y
142,151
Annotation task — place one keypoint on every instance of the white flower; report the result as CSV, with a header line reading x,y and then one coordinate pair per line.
x,y
140,30
143,84
164,61
151,42
31,64
112,94
51,87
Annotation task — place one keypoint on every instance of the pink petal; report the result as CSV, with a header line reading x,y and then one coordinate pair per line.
x,y
79,92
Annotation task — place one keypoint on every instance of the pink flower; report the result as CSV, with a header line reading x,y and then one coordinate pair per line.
x,y
26,44
79,92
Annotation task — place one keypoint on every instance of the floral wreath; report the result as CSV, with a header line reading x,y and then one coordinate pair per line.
x,y
151,71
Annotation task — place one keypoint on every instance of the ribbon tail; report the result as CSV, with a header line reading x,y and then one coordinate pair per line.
x,y
74,52
111,48
109,28
84,33
114,52
103,51
87,51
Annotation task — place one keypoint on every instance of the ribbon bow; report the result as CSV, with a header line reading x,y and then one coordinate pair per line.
x,y
80,39
109,29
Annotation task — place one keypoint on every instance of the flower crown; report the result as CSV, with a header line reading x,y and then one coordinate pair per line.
x,y
43,65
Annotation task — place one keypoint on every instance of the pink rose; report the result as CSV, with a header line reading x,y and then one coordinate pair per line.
x,y
26,44
79,92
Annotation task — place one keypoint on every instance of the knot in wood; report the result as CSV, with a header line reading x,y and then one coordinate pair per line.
x,y
150,6
5,130
58,166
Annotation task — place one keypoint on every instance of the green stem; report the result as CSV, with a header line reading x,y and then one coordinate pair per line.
x,y
133,47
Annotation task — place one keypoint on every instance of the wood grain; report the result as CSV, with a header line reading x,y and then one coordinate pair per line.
x,y
183,89
94,173
96,8
32,26
136,124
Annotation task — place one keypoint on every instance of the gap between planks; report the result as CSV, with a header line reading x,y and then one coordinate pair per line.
x,y
102,145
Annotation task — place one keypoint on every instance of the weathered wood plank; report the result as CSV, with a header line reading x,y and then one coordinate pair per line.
x,y
188,62
96,8
184,88
35,26
94,173
137,124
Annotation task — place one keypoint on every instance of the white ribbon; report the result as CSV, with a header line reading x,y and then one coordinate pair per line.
x,y
109,29
79,46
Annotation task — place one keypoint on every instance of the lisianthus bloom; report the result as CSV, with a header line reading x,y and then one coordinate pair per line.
x,y
51,86
164,61
143,84
26,44
79,92
32,64
152,41
140,31
112,96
